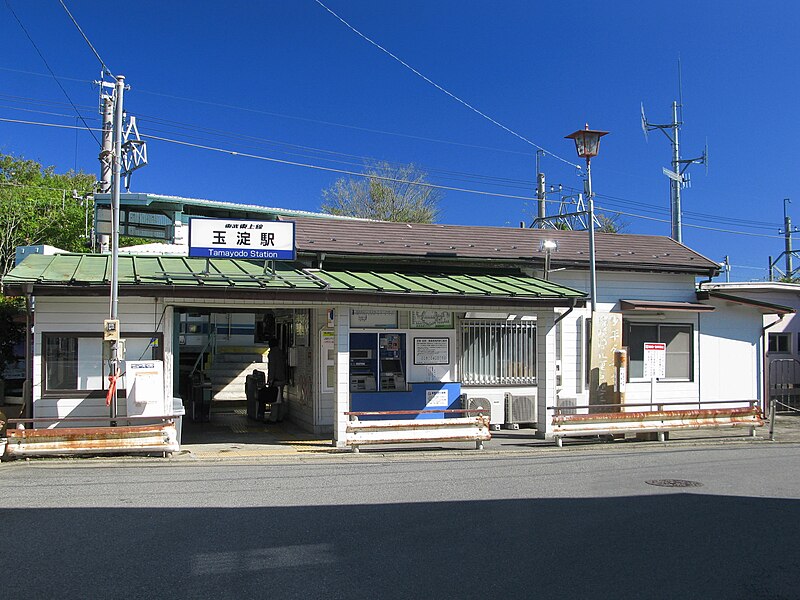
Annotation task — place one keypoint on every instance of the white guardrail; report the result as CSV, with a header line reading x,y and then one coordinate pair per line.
x,y
397,431
611,421
156,435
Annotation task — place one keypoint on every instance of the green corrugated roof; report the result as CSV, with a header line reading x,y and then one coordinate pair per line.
x,y
90,271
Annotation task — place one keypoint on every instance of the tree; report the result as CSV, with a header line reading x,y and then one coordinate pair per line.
x,y
386,193
40,206
610,224
12,330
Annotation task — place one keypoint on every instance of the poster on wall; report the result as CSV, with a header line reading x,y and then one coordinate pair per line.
x,y
431,319
373,317
301,328
432,351
327,353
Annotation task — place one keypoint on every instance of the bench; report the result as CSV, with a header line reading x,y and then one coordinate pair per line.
x,y
383,430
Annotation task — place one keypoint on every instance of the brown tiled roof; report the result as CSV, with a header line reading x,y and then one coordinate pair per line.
x,y
412,240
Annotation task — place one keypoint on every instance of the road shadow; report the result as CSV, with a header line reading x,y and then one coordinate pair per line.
x,y
666,545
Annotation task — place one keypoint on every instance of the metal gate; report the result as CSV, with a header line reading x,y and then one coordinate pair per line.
x,y
784,384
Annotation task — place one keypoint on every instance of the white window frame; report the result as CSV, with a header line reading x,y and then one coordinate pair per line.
x,y
497,352
626,337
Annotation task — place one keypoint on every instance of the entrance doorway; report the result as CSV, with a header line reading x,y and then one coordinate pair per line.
x,y
215,352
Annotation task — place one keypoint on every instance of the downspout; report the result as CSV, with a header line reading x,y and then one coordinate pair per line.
x,y
563,315
699,364
27,386
765,383
711,276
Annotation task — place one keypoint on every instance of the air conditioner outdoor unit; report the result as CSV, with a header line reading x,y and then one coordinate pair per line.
x,y
482,403
567,402
520,410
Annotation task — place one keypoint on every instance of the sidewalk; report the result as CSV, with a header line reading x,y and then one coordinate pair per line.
x,y
283,440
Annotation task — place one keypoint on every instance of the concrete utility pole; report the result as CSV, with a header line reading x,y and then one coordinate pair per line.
x,y
540,190
675,184
788,253
787,234
116,345
678,178
119,90
104,184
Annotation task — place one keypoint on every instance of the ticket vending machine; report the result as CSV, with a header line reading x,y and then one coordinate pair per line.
x,y
391,348
362,370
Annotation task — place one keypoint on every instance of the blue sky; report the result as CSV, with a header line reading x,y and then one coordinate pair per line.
x,y
287,80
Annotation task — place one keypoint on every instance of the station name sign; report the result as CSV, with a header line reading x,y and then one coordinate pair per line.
x,y
241,238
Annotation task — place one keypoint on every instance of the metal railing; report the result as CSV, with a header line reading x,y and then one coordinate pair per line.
x,y
784,382
210,346
608,419
150,434
396,431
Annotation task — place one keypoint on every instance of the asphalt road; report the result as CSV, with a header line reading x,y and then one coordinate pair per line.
x,y
576,524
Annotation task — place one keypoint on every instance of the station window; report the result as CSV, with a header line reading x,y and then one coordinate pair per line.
x,y
780,343
75,362
498,352
678,339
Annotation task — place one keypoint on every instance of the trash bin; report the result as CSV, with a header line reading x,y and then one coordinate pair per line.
x,y
201,397
178,411
254,385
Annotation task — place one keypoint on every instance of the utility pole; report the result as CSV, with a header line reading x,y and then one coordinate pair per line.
x,y
787,234
677,176
111,328
675,183
107,109
788,253
540,189
119,90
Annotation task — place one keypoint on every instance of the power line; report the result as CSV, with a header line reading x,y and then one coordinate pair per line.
x,y
333,170
652,208
54,125
46,64
106,70
10,70
383,178
313,152
441,89
703,227
293,163
332,123
304,119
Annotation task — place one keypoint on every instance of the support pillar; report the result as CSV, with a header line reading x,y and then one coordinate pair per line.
x,y
342,393
545,372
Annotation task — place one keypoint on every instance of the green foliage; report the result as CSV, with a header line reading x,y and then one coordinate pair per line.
x,y
387,193
12,328
611,224
40,206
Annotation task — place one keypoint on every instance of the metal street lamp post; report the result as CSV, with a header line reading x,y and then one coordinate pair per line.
x,y
587,144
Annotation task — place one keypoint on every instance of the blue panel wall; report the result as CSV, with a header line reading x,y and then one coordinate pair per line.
x,y
413,399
